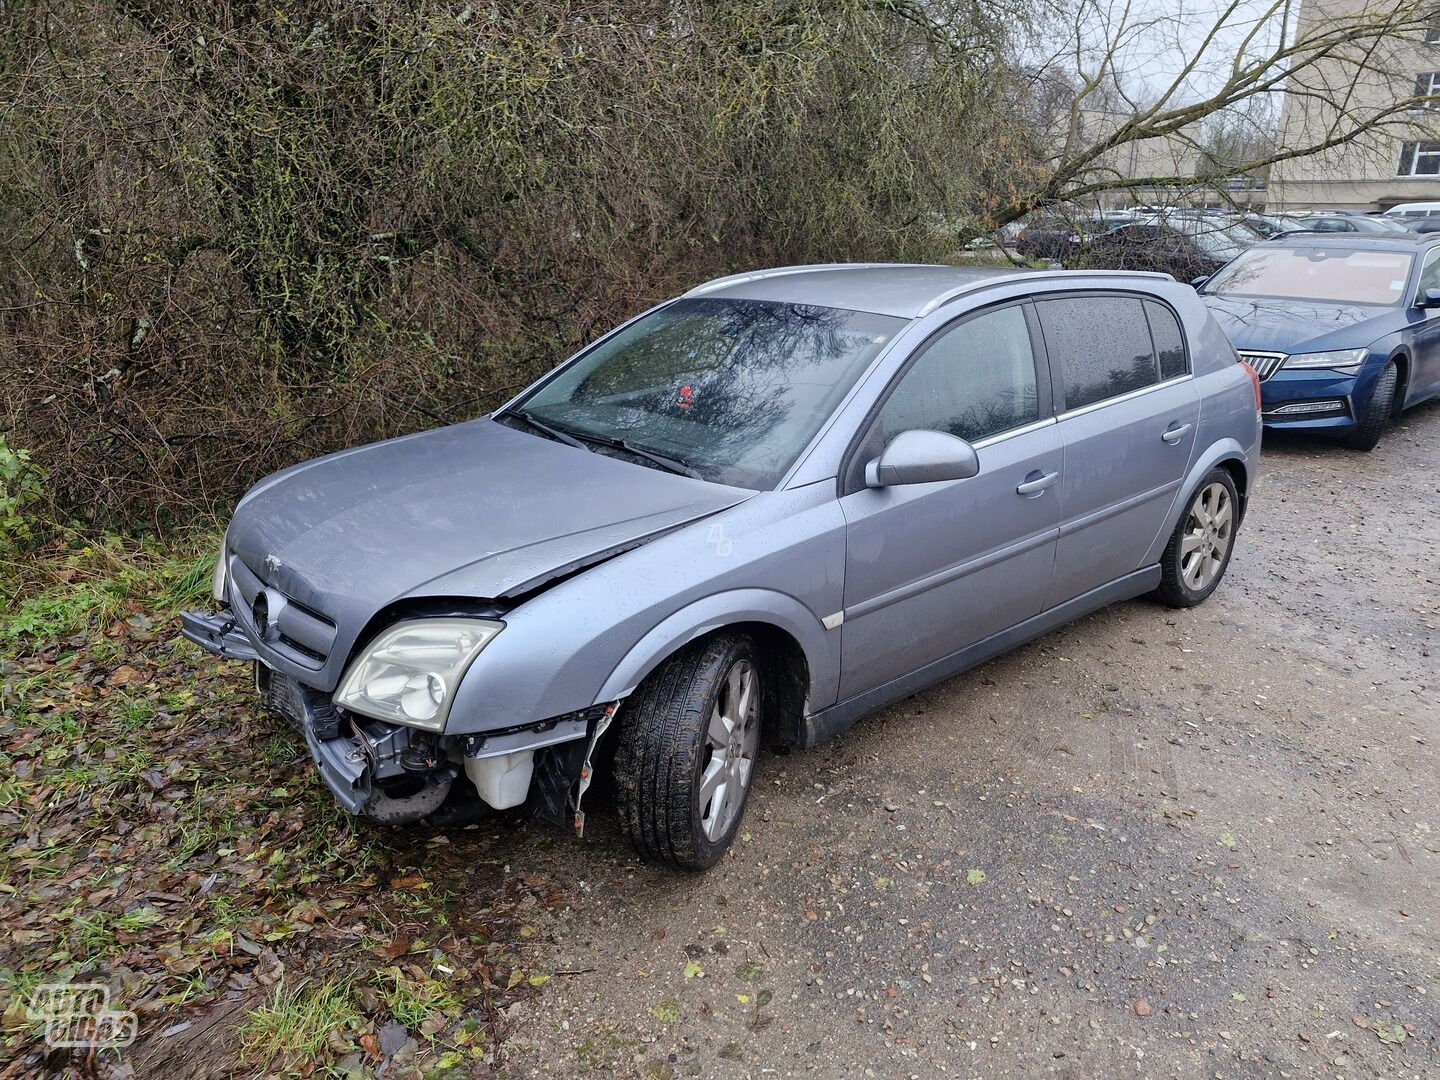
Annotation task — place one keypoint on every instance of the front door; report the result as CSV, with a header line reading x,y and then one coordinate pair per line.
x,y
1424,334
932,568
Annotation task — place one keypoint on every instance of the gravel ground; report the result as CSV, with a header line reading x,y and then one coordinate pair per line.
x,y
1155,843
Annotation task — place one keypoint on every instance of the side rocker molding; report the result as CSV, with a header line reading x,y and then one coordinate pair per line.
x,y
826,723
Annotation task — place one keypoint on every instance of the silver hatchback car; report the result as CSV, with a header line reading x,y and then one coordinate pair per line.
x,y
752,514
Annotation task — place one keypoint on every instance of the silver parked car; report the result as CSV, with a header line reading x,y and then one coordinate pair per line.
x,y
752,514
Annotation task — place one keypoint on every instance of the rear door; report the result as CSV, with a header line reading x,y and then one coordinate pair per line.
x,y
1128,412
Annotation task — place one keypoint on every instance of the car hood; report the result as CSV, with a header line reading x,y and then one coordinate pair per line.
x,y
1290,326
477,510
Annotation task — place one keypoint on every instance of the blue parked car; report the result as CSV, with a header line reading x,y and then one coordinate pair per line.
x,y
1341,329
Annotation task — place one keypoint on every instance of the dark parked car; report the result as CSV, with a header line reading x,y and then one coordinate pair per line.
x,y
1343,329
1050,238
1184,250
1265,226
759,511
1370,225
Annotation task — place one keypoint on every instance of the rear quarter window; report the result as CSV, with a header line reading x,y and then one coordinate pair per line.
x,y
1099,347
1169,341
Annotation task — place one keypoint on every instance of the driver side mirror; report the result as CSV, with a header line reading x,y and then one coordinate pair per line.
x,y
1199,283
922,457
1430,298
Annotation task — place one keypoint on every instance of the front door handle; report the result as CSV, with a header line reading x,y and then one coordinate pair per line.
x,y
1036,483
1173,435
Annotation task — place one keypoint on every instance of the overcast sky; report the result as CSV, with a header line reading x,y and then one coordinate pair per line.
x,y
1157,38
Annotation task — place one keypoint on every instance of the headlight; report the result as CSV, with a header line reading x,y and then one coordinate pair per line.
x,y
219,578
1336,358
409,673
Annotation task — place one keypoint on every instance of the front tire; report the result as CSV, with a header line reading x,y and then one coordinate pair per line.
x,y
1370,425
689,737
1199,550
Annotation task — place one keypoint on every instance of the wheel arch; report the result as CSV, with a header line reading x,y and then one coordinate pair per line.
x,y
1225,454
806,654
1241,476
1401,359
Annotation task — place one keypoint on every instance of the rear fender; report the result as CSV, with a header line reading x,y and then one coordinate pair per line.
x,y
1221,450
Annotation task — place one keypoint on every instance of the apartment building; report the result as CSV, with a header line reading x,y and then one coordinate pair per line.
x,y
1396,161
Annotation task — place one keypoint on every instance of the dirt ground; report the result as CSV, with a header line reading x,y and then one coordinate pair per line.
x,y
1155,843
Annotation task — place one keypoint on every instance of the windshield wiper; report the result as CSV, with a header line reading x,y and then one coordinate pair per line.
x,y
674,465
576,437
669,464
558,434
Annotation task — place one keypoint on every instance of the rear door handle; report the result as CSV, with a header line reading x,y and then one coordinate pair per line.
x,y
1037,482
1173,435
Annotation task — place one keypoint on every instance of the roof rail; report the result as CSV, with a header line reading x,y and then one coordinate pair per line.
x,y
782,271
1002,279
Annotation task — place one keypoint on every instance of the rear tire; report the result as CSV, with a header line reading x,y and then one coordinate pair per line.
x,y
684,762
1370,425
1199,550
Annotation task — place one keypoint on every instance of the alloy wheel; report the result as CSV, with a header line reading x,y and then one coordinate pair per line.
x,y
732,738
1209,529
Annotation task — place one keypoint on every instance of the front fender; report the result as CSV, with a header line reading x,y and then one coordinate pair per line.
x,y
1226,449
821,647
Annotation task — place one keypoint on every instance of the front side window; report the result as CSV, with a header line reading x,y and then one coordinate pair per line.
x,y
1316,273
975,380
731,389
1099,347
1429,275
1419,159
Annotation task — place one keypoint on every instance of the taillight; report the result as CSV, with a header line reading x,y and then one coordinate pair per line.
x,y
1254,381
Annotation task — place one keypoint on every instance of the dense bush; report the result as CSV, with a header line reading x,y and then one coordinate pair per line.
x,y
240,234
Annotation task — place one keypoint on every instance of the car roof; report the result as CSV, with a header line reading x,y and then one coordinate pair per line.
x,y
1358,241
903,290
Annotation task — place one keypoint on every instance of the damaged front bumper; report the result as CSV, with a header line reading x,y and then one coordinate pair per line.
x,y
372,769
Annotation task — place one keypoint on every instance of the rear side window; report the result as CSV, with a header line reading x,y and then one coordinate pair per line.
x,y
1169,344
975,379
1099,347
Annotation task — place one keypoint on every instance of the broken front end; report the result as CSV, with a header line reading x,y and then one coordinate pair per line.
x,y
379,739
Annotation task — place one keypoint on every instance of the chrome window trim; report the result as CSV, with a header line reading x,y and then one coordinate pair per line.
x,y
1015,432
1129,396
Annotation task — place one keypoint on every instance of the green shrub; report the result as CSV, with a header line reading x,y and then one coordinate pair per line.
x,y
20,494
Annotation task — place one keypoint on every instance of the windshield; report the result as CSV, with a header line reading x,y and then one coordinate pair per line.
x,y
1316,273
733,389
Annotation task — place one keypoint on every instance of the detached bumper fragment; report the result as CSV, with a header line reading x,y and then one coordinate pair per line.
x,y
218,633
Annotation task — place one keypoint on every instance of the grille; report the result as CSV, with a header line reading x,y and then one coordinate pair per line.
x,y
296,632
1264,363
